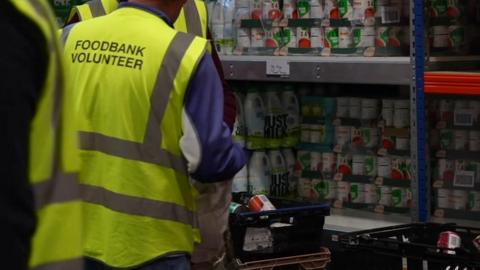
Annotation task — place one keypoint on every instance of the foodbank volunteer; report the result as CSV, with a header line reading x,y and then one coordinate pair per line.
x,y
39,198
213,199
146,129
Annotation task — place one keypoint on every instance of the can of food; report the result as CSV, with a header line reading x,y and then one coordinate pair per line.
x,y
256,11
456,9
388,142
345,9
369,137
236,208
363,37
438,8
369,109
474,140
260,203
443,198
370,165
342,191
318,110
387,112
328,163
303,160
316,9
399,197
448,241
316,161
327,189
357,193
271,10
459,199
304,187
397,164
303,38
344,164
356,136
316,37
273,37
243,38
364,12
439,36
446,139
290,37
384,167
354,107
257,38
446,169
388,37
345,39
305,132
371,196
384,195
474,201
456,36
460,141
342,135
331,10
289,9
401,113
358,165
303,9
402,143
342,107
331,37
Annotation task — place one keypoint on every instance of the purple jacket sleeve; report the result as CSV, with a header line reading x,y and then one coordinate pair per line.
x,y
207,141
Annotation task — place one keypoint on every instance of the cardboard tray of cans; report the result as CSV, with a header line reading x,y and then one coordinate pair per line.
x,y
310,261
417,242
294,228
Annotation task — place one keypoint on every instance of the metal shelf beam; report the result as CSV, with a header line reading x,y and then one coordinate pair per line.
x,y
316,69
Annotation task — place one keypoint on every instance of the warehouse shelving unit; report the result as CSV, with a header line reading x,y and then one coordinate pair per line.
x,y
402,71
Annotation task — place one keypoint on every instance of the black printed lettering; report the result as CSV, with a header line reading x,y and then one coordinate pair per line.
x,y
81,57
129,63
121,61
113,46
121,49
138,63
96,59
77,44
140,51
74,57
131,49
105,46
89,59
95,45
85,44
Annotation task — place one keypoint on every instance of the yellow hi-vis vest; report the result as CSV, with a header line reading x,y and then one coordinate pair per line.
x,y
192,19
53,161
129,72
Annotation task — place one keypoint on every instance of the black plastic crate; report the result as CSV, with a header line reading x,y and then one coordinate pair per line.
x,y
417,242
302,235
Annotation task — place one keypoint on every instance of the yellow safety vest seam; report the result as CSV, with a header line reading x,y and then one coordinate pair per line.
x,y
96,8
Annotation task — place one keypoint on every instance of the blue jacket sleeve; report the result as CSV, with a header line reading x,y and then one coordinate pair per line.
x,y
207,143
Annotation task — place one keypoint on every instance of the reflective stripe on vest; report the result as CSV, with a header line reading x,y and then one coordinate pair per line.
x,y
96,8
63,265
192,18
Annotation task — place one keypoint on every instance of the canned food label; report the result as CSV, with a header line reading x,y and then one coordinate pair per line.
x,y
446,139
289,9
371,165
331,37
274,38
344,164
358,165
439,8
271,10
399,197
384,167
303,9
363,10
303,37
456,36
345,37
357,194
388,37
316,36
397,168
289,37
369,137
303,161
326,189
464,179
345,9
256,9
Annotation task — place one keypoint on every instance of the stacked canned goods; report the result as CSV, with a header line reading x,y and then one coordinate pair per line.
x,y
455,137
339,160
447,33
